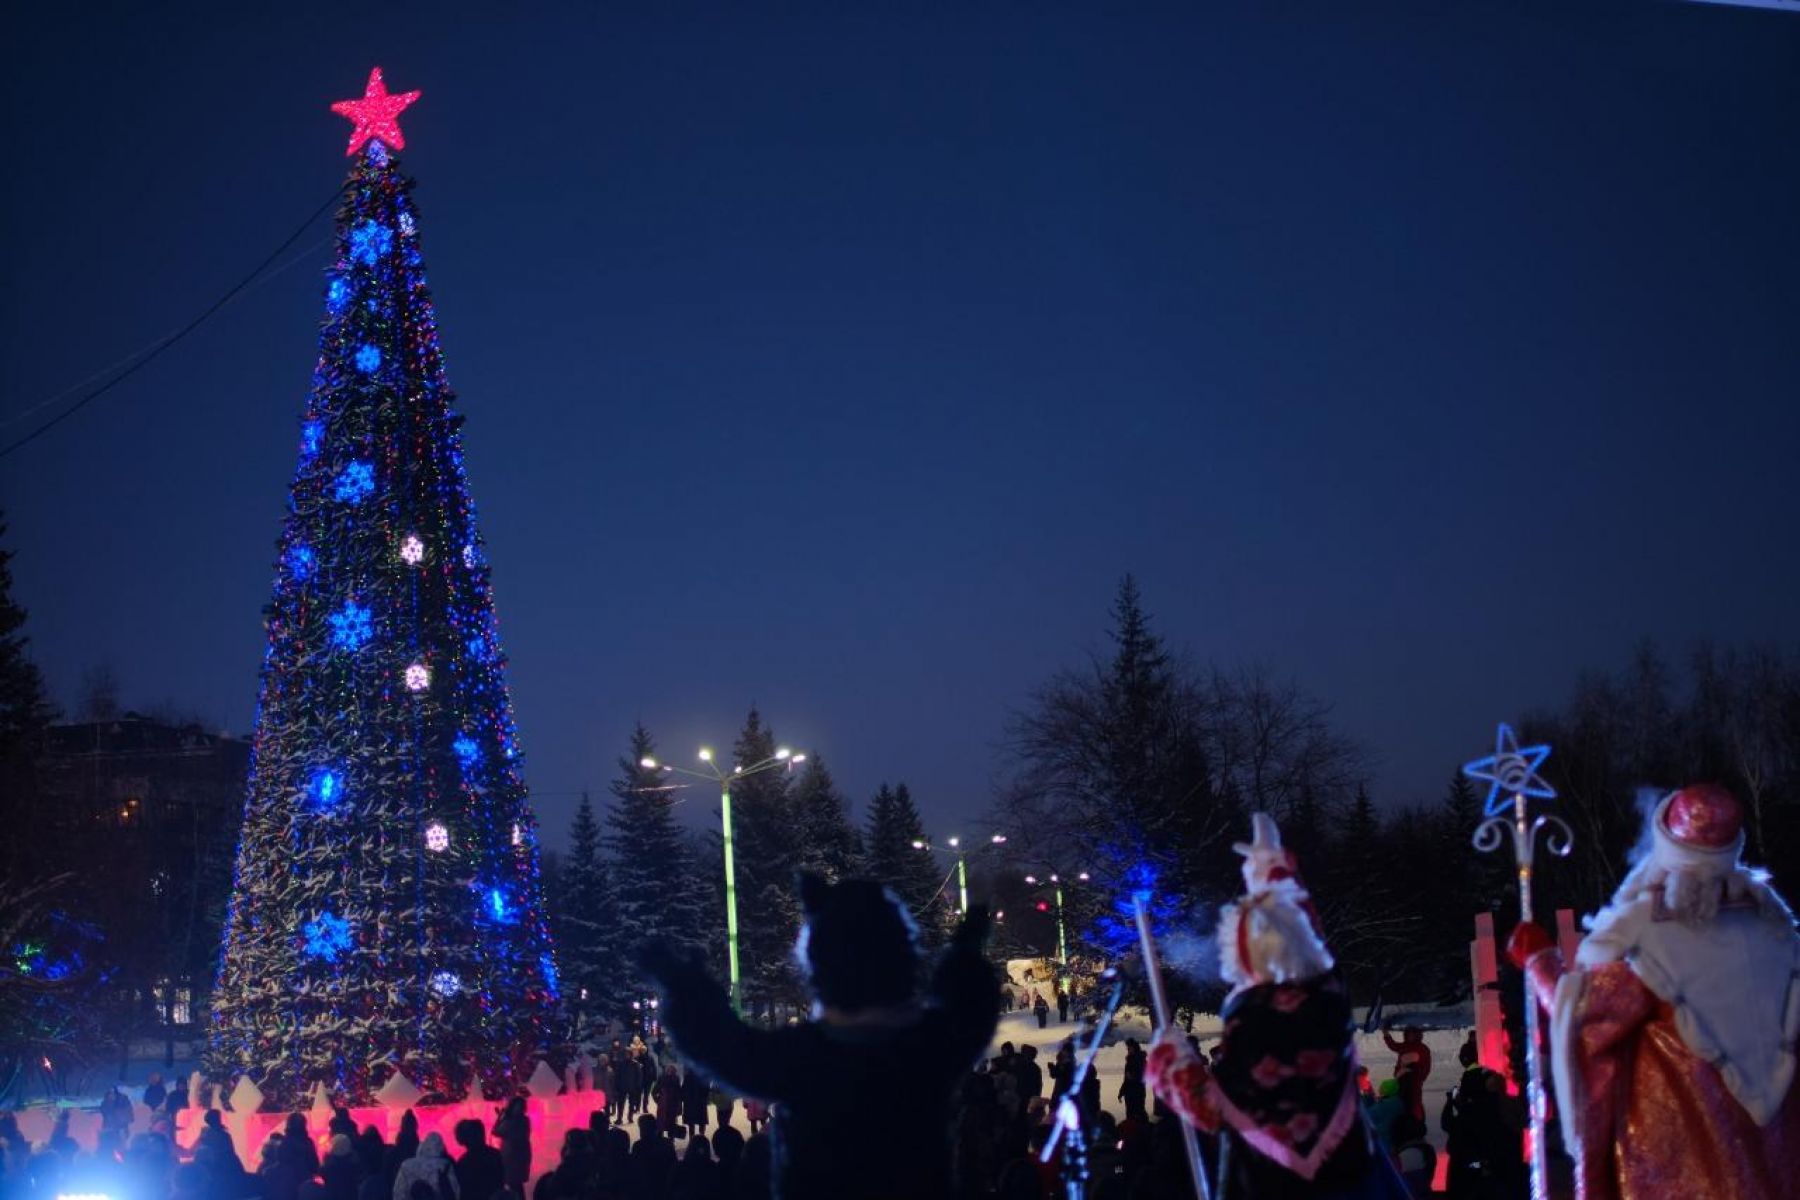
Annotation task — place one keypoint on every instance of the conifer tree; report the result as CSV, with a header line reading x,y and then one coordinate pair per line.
x,y
25,709
388,911
894,858
655,892
587,931
830,844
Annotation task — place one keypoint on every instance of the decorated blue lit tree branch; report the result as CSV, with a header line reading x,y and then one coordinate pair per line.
x,y
387,913
1513,783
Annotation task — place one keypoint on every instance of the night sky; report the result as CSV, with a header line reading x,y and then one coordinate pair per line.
x,y
842,360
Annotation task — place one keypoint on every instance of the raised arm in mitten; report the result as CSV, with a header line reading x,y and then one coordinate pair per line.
x,y
1181,1080
965,988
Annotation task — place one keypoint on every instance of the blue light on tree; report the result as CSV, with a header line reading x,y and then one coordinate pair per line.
x,y
327,788
466,750
312,436
337,294
300,563
1510,771
369,241
367,359
478,649
498,906
446,983
355,482
352,626
326,936
548,966
407,226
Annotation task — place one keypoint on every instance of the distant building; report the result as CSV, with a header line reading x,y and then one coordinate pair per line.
x,y
143,814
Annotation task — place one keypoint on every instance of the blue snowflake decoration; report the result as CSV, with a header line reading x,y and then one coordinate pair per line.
x,y
548,966
355,482
466,750
352,626
446,983
337,294
301,563
478,649
368,359
369,241
498,906
327,936
407,226
1510,771
312,437
327,788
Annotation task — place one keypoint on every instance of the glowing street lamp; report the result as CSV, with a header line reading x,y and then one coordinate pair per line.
x,y
962,865
782,757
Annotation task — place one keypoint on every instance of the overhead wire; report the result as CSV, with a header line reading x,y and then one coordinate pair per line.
x,y
144,358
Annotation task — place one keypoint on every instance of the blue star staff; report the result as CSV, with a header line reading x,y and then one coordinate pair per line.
x,y
1511,775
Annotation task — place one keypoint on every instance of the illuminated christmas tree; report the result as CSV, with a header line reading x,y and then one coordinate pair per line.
x,y
387,913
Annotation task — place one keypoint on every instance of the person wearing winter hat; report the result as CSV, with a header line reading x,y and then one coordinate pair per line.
x,y
1672,1035
1283,1087
429,1174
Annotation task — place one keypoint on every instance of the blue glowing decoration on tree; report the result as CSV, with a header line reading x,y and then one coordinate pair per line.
x,y
1510,771
326,936
380,856
369,241
327,788
446,984
352,626
354,483
547,965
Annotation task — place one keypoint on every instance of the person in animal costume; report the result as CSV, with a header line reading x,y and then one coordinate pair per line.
x,y
1283,1090
1672,1035
861,1091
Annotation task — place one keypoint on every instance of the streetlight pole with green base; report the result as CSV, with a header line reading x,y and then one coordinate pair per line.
x,y
724,779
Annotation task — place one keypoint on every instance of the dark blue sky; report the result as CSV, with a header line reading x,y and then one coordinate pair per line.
x,y
842,360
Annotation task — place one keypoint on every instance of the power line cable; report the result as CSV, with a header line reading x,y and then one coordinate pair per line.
x,y
157,350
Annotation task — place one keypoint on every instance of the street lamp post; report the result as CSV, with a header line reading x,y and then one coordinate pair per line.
x,y
1062,937
781,758
962,865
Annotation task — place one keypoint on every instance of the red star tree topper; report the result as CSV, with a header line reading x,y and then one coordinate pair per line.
x,y
376,115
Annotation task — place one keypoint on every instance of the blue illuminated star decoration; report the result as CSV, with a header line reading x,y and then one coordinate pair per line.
x,y
367,359
355,482
327,936
352,626
1510,771
369,241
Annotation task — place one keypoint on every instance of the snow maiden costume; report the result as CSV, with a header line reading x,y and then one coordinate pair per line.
x,y
1672,1037
1285,1088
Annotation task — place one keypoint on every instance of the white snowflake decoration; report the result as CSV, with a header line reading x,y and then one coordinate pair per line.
x,y
418,677
412,550
518,835
437,837
446,983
